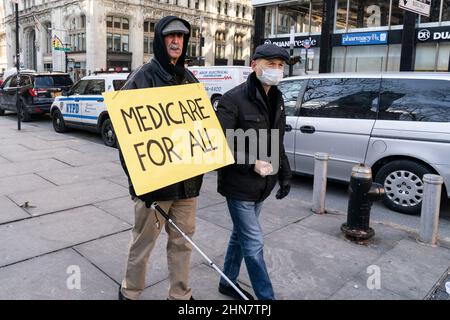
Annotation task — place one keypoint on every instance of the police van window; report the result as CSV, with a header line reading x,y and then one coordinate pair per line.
x,y
79,88
118,84
415,100
291,90
352,98
95,87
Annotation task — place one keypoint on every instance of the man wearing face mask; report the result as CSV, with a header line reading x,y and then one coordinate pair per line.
x,y
255,105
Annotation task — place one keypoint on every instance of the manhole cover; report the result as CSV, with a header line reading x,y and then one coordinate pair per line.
x,y
438,292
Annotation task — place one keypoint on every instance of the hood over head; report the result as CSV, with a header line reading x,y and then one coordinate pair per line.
x,y
160,50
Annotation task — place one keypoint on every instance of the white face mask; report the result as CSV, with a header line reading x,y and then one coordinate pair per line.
x,y
270,77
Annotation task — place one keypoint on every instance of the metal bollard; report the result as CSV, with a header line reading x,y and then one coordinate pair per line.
x,y
320,182
429,219
363,192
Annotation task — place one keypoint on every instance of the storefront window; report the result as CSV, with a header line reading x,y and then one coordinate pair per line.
x,y
337,59
118,35
268,22
393,63
365,59
125,43
397,14
444,57
284,20
109,41
368,14
446,11
309,62
117,39
316,16
434,13
341,14
425,57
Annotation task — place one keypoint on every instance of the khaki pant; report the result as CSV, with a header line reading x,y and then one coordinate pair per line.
x,y
145,232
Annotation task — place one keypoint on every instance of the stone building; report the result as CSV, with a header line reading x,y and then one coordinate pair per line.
x,y
105,34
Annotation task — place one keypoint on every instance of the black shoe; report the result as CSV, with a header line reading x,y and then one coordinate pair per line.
x,y
229,291
121,296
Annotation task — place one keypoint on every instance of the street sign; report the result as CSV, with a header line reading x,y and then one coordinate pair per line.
x,y
63,49
421,7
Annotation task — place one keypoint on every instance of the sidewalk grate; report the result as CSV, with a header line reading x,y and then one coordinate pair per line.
x,y
438,292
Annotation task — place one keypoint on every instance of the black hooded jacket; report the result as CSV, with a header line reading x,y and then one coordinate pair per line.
x,y
159,72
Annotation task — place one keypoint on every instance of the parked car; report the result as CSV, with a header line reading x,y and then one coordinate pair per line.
x,y
37,92
83,106
398,124
220,79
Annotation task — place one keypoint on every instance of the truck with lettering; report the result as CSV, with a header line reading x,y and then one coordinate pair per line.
x,y
220,79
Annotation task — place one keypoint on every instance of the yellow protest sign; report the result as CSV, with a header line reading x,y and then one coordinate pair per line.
x,y
167,134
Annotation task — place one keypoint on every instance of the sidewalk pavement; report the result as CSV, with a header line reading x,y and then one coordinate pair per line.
x,y
64,209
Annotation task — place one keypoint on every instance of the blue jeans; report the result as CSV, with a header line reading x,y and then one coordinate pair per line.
x,y
246,242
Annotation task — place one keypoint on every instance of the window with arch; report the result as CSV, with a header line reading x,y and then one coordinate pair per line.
x,y
48,37
149,35
220,45
77,33
118,34
194,43
238,47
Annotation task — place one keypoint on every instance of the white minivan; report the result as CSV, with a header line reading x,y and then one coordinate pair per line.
x,y
396,123
220,79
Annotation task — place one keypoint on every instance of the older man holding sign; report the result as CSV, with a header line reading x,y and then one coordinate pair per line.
x,y
168,136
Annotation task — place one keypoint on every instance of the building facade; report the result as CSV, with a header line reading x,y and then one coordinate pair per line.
x,y
3,62
105,34
356,35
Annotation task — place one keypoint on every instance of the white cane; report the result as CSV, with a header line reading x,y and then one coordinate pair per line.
x,y
155,206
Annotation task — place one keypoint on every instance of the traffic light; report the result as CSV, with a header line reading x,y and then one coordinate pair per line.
x,y
54,43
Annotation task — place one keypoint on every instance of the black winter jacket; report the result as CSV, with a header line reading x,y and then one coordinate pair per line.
x,y
245,108
159,73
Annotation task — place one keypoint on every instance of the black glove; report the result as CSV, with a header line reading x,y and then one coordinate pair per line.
x,y
285,188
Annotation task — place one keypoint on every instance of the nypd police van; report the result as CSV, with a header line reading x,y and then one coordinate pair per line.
x,y
83,106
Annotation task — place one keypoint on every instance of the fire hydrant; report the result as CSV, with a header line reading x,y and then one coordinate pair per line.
x,y
363,192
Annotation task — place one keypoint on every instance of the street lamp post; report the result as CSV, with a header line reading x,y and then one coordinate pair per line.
x,y
18,104
202,42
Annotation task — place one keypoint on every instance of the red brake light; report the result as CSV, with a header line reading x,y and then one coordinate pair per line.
x,y
32,92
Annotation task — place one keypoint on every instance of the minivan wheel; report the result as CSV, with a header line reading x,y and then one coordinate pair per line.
x,y
108,135
403,183
58,122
